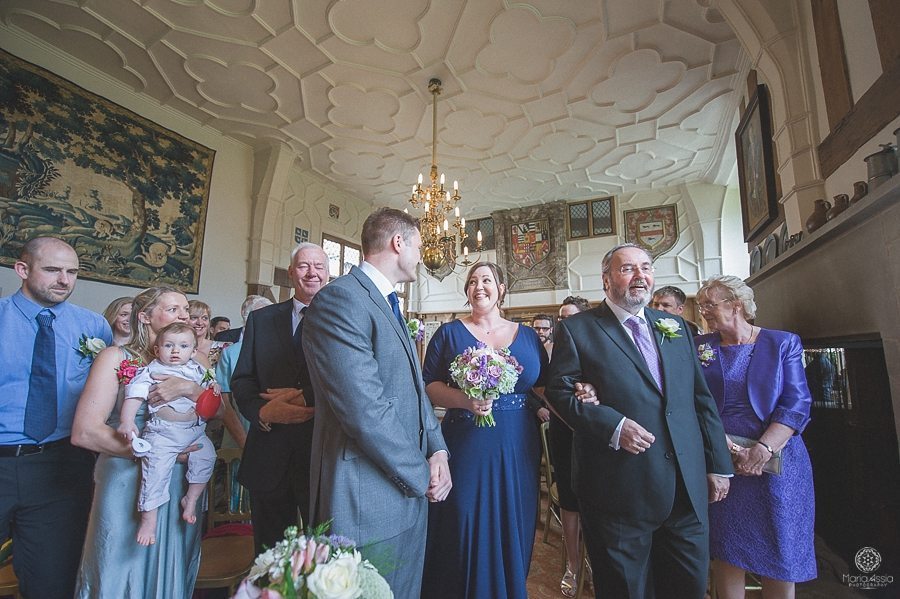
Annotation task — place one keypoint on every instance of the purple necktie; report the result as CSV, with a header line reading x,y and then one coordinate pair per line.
x,y
644,345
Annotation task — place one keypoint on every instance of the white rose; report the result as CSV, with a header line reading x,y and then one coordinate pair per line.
x,y
338,579
669,325
94,344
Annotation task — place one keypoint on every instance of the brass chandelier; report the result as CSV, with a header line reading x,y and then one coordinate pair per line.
x,y
442,237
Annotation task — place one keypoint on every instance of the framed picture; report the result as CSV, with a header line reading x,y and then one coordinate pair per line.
x,y
756,168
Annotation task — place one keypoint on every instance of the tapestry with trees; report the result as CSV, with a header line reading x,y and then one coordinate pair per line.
x,y
127,194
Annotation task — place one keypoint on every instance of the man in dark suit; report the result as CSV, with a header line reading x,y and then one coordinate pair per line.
x,y
271,387
378,452
230,335
651,453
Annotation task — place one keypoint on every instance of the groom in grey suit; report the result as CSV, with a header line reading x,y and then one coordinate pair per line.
x,y
378,454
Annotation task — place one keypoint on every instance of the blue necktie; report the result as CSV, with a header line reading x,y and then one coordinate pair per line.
x,y
298,336
395,306
40,408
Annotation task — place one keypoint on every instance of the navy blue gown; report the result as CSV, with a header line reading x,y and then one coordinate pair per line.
x,y
480,538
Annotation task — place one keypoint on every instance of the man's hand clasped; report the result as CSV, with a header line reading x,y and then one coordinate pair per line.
x,y
440,484
284,405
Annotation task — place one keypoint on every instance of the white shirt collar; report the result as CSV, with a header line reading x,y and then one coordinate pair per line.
x,y
298,305
381,282
622,314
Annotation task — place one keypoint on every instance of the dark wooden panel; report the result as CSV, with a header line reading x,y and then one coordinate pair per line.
x,y
832,60
874,111
886,21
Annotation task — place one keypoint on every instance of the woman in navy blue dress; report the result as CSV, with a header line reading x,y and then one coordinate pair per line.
x,y
480,538
765,525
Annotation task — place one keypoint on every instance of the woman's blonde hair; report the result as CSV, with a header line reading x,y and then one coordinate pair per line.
x,y
144,303
113,309
736,289
198,306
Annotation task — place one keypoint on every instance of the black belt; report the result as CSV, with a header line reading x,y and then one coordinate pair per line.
x,y
15,451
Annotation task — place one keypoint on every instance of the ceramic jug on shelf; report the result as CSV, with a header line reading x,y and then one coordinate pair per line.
x,y
819,215
841,203
860,189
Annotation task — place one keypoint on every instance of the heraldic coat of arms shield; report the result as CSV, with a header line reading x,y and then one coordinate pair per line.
x,y
530,242
655,229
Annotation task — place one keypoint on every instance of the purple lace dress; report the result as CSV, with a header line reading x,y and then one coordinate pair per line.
x,y
765,526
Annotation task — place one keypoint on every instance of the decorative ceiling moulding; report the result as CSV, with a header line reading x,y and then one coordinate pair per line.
x,y
347,82
531,247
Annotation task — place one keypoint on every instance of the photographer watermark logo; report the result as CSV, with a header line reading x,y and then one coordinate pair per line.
x,y
867,561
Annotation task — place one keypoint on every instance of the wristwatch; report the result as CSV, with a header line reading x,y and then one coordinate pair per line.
x,y
768,447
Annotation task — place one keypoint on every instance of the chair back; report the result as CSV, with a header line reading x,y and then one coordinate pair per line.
x,y
230,501
546,463
227,558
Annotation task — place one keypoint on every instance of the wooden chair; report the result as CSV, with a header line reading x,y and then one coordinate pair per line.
x,y
226,560
553,510
9,584
552,494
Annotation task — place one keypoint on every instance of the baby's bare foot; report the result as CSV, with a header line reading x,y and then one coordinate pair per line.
x,y
189,510
146,534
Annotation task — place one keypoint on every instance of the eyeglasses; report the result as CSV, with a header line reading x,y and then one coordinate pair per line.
x,y
708,306
630,269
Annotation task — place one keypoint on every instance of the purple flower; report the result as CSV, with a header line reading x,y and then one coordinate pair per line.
x,y
473,376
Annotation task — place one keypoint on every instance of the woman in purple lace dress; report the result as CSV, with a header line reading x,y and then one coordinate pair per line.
x,y
765,525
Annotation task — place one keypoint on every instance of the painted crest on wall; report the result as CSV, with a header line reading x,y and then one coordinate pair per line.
x,y
655,229
530,242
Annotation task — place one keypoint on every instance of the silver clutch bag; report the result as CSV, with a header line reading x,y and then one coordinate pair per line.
x,y
773,466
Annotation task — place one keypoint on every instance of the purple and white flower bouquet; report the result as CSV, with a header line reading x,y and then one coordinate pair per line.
x,y
484,373
313,566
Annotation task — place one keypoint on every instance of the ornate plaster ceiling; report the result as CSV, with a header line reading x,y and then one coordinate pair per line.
x,y
543,100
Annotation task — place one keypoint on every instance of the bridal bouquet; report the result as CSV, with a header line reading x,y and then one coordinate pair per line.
x,y
485,373
313,566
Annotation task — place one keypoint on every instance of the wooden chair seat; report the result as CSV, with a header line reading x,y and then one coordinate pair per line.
x,y
9,584
225,561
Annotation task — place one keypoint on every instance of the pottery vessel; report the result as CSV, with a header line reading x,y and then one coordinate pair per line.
x,y
819,215
881,165
860,189
841,203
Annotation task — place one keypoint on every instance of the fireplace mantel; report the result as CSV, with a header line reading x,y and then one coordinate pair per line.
x,y
869,207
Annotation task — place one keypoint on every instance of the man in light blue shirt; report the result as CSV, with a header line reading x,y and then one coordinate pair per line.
x,y
45,482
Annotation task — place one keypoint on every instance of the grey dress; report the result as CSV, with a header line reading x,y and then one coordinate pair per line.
x,y
113,565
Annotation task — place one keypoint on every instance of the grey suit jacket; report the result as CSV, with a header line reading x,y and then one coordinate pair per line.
x,y
592,346
374,426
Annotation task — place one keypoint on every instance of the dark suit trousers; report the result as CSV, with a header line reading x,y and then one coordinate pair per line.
x,y
286,504
637,559
45,500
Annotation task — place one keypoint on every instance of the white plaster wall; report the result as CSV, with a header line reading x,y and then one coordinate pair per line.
x,y
225,243
307,198
705,247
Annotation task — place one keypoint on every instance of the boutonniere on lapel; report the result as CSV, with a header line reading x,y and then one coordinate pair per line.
x,y
668,327
89,347
416,329
706,353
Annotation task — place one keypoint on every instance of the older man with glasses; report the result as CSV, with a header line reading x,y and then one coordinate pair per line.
x,y
650,453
